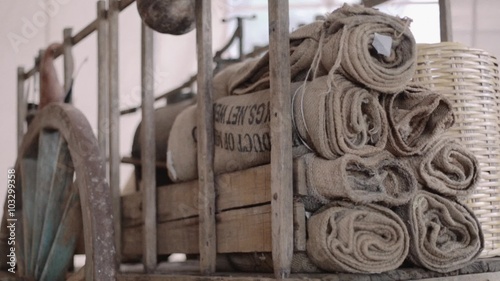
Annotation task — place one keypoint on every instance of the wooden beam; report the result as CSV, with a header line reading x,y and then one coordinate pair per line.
x,y
206,195
445,21
281,138
68,60
21,105
114,120
148,155
102,79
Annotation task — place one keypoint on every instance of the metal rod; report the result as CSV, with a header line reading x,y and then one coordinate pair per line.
x,y
445,20
68,60
102,79
114,121
148,155
206,195
281,139
21,105
86,31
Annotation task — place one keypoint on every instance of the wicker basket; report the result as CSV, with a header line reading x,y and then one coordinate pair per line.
x,y
470,79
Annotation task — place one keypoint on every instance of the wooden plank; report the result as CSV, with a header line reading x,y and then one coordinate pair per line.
x,y
281,138
59,192
237,189
182,272
445,21
102,78
28,177
299,227
148,155
48,148
241,230
65,240
21,105
68,60
206,195
114,121
299,177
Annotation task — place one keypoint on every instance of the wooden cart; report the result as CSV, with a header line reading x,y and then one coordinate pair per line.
x,y
251,211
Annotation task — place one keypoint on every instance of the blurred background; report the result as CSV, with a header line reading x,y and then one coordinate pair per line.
x,y
30,25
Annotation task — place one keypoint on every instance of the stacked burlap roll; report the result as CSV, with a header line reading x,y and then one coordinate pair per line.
x,y
385,184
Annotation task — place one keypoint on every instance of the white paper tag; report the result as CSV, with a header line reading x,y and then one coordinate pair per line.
x,y
383,44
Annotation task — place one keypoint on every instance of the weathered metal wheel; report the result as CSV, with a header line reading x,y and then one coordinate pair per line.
x,y
61,178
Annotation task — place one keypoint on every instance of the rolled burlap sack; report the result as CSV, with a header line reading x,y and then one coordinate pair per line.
x,y
163,121
380,178
242,136
348,45
445,234
346,237
416,117
447,168
255,75
334,120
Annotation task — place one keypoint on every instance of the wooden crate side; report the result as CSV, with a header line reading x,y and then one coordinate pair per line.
x,y
239,230
176,201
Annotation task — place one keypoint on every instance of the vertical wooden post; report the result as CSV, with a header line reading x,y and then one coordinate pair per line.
x,y
148,155
114,121
281,139
206,196
21,105
68,60
102,78
445,21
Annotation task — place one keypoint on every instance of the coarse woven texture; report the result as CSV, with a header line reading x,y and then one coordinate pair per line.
x,y
242,136
416,117
340,119
469,78
444,234
348,36
380,178
346,237
447,168
254,76
342,43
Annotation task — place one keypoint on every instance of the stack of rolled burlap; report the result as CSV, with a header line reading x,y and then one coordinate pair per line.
x,y
384,186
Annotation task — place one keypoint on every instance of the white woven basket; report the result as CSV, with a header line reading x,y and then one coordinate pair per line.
x,y
470,80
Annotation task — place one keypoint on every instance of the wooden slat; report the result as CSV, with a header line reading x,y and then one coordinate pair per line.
x,y
241,230
65,239
48,148
299,177
148,155
176,201
445,21
281,138
28,178
56,204
68,60
102,78
299,227
114,120
21,105
206,195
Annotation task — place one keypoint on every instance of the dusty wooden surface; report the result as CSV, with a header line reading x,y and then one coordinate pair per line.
x,y
206,194
281,137
237,189
482,270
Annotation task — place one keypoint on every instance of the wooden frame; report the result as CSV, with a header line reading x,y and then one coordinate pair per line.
x,y
204,215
